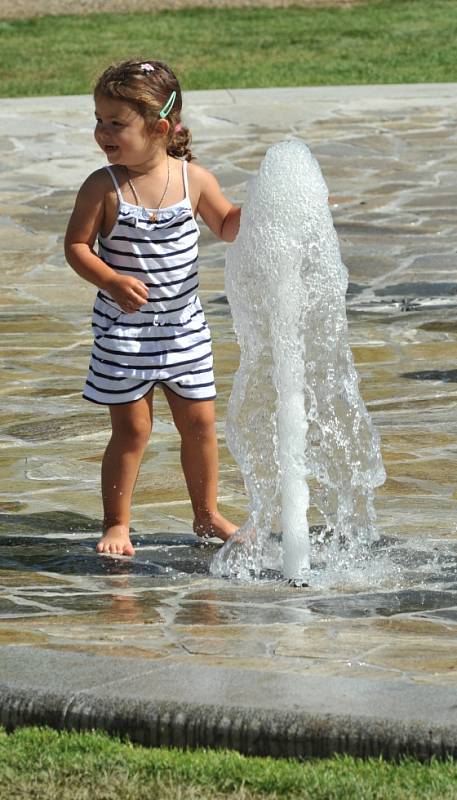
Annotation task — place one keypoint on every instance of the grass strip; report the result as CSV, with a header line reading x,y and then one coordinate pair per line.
x,y
381,41
55,765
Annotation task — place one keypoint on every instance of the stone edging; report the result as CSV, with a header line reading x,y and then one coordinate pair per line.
x,y
249,731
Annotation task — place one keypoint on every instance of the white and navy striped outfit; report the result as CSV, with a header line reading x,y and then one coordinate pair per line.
x,y
168,340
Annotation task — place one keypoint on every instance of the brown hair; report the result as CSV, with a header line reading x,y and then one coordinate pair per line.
x,y
147,85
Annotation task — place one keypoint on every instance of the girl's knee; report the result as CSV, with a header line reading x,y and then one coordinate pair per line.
x,y
132,423
135,431
195,418
198,425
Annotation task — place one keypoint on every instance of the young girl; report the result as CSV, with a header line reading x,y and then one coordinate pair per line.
x,y
148,323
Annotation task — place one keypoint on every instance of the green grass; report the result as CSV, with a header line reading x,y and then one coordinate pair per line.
x,y
381,41
48,765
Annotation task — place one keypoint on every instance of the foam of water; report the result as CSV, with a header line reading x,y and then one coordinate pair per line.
x,y
296,423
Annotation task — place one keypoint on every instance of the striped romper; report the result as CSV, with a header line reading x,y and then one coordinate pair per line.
x,y
168,340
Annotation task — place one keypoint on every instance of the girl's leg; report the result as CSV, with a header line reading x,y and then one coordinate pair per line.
x,y
195,421
131,428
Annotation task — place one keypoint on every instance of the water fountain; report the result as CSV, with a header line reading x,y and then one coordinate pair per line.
x,y
296,423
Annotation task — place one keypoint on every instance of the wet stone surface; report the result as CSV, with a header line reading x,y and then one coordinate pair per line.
x,y
389,160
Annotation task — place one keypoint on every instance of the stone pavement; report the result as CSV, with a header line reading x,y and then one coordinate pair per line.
x,y
365,659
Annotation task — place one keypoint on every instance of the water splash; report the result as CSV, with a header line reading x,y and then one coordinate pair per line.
x,y
296,423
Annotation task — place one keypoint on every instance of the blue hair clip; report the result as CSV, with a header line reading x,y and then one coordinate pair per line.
x,y
168,106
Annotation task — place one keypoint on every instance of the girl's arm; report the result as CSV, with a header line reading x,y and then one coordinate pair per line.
x,y
83,227
221,216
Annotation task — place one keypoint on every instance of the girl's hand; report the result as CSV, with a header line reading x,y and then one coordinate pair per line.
x,y
129,293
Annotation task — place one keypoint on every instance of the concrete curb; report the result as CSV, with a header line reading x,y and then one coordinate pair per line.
x,y
249,731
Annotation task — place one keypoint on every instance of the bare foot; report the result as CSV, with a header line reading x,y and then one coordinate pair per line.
x,y
116,541
214,524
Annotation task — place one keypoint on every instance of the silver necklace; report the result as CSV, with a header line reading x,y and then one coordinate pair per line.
x,y
153,216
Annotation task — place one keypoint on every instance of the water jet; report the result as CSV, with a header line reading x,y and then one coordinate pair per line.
x,y
296,422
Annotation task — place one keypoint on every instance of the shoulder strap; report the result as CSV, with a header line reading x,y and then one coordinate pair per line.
x,y
116,185
184,177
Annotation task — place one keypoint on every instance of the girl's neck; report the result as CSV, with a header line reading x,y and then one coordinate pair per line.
x,y
151,165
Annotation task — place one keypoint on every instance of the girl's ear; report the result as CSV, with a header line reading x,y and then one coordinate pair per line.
x,y
162,127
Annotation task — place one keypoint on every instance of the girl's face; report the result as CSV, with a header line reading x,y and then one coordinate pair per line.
x,y
121,133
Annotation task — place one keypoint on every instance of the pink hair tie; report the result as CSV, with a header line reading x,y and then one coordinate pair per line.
x,y
178,128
